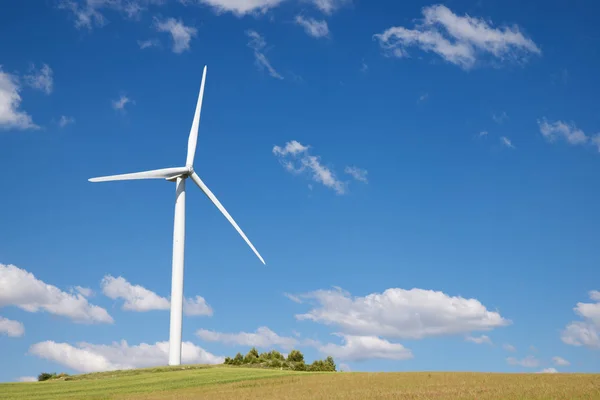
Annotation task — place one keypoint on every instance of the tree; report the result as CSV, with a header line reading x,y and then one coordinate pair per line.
x,y
330,362
238,359
253,352
295,356
44,376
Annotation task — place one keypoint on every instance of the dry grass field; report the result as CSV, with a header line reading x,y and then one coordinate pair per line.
x,y
221,382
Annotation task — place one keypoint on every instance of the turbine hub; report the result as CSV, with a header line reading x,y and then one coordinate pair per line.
x,y
190,169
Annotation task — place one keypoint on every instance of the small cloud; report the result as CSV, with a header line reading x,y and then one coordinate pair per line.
x,y
506,142
560,361
483,134
357,173
479,339
312,27
548,371
293,298
27,379
423,97
11,328
527,362
120,104
181,34
144,44
509,347
40,79
295,151
364,67
258,44
552,131
64,121
500,118
329,6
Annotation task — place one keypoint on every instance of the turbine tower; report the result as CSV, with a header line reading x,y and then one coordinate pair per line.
x,y
179,175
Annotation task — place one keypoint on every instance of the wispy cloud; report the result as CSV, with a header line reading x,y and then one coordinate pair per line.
x,y
313,27
258,44
296,158
560,361
357,173
144,44
527,362
500,118
567,131
329,6
41,79
459,40
423,97
360,348
506,142
509,347
262,338
121,103
181,34
64,121
479,339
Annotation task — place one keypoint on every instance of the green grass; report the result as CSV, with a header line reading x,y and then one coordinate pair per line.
x,y
105,385
239,383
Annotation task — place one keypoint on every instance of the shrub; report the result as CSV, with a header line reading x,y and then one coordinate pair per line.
x,y
228,360
275,363
44,376
275,355
300,366
238,359
295,356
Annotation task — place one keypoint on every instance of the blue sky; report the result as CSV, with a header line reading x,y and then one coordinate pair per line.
x,y
419,179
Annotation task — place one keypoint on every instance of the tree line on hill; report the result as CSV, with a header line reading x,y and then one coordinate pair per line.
x,y
274,359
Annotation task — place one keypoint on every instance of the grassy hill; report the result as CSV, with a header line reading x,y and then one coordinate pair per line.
x,y
230,382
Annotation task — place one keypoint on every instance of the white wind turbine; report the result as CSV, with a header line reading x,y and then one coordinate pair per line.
x,y
179,175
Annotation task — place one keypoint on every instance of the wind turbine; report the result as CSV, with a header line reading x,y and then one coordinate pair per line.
x,y
179,175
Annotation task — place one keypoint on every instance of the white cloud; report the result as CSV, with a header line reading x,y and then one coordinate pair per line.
x,y
293,298
560,361
567,131
88,13
527,362
240,7
122,102
138,298
458,40
258,44
86,357
329,6
400,313
509,347
64,121
181,34
587,332
27,379
507,142
361,348
357,173
87,292
11,328
483,133
40,79
479,339
196,306
11,117
364,67
22,289
313,27
144,44
548,371
500,118
262,338
296,152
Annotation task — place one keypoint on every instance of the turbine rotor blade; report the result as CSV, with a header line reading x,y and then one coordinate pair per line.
x,y
216,202
164,173
193,139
